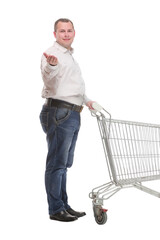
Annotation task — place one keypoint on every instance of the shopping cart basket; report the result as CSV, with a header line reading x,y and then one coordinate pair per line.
x,y
132,152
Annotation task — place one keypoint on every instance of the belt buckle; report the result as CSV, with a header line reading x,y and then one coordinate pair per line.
x,y
81,109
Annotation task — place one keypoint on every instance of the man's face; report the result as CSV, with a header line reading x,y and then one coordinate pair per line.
x,y
65,34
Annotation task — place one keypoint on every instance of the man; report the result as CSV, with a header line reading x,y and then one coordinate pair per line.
x,y
64,91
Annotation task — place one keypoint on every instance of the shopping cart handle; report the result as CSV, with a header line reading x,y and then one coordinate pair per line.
x,y
97,107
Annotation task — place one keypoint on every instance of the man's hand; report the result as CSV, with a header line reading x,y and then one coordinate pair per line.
x,y
52,60
89,105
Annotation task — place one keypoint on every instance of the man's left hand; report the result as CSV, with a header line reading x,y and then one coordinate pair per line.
x,y
89,105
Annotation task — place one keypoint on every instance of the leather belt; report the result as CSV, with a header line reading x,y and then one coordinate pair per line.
x,y
50,102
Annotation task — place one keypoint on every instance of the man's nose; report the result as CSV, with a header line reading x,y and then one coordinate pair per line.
x,y
66,33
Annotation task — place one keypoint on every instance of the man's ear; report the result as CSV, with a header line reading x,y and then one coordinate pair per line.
x,y
54,34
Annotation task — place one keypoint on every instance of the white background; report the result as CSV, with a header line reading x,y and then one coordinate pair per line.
x,y
117,47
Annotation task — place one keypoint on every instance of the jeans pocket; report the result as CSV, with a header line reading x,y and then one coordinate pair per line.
x,y
44,120
61,114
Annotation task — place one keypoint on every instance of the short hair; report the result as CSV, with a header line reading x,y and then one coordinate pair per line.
x,y
62,20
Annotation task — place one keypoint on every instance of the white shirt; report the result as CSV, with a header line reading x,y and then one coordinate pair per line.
x,y
63,81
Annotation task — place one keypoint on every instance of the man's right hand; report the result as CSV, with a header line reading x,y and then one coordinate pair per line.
x,y
52,60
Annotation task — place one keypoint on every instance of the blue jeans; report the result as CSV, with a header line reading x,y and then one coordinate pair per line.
x,y
61,126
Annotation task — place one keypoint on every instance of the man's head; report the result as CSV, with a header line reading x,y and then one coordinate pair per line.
x,y
64,32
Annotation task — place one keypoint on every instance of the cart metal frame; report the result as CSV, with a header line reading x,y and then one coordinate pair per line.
x,y
132,151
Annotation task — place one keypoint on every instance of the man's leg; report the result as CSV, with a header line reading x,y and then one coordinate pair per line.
x,y
61,125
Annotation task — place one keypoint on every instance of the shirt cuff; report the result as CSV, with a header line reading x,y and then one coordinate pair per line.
x,y
50,68
86,99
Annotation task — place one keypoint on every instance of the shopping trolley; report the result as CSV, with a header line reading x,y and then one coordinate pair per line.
x,y
132,152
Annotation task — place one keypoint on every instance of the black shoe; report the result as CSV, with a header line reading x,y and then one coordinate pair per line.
x,y
63,216
74,213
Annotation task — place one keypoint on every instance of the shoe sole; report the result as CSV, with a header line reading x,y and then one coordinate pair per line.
x,y
62,220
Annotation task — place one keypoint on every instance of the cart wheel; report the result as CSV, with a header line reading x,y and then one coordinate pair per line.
x,y
100,216
101,219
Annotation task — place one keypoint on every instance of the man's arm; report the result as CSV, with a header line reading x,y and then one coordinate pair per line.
x,y
49,67
88,102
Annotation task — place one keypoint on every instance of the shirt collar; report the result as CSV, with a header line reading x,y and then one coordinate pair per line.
x,y
63,49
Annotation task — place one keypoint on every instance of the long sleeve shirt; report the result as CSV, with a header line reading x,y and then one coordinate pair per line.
x,y
63,81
